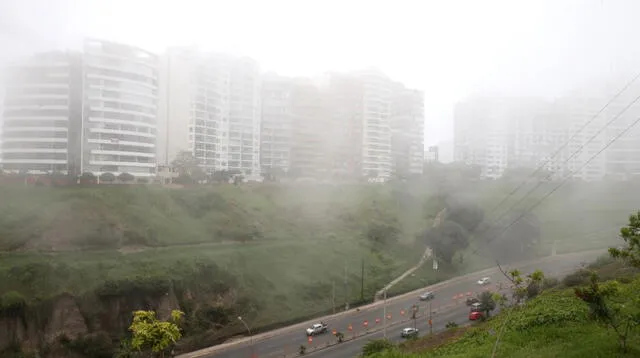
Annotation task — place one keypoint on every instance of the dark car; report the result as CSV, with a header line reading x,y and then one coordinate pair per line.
x,y
472,300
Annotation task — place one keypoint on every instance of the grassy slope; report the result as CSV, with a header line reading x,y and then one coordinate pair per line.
x,y
304,235
304,241
556,324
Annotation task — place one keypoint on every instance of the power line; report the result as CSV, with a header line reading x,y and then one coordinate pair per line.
x,y
523,198
567,177
634,79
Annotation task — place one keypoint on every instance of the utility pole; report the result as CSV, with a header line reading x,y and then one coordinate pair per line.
x,y
362,283
346,288
384,315
430,316
333,295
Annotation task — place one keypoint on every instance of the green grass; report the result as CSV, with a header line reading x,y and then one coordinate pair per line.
x,y
555,324
289,279
285,247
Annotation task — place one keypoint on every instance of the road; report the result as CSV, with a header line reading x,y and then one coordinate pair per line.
x,y
448,305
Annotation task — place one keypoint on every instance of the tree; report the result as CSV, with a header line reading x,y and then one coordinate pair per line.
x,y
149,333
107,178
376,346
469,216
524,288
87,178
605,306
188,168
487,302
514,237
126,177
446,239
631,236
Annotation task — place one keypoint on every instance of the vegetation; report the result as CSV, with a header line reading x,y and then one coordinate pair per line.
x,y
150,334
216,248
595,312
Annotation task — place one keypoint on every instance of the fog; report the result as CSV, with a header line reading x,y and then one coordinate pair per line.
x,y
449,49
267,162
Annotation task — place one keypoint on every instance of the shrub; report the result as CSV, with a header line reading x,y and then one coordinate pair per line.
x,y
12,304
126,177
577,278
107,178
376,346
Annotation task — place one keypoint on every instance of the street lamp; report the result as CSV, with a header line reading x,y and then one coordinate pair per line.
x,y
250,335
384,314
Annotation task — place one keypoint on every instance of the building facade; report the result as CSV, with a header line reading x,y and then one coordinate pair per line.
x,y
210,107
342,126
42,114
276,129
407,131
119,124
72,113
572,136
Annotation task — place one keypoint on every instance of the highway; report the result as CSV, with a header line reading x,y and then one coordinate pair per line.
x,y
448,305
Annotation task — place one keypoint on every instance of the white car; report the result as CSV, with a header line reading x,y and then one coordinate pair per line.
x,y
426,296
317,328
484,281
409,332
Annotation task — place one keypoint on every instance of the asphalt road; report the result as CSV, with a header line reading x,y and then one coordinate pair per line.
x,y
448,305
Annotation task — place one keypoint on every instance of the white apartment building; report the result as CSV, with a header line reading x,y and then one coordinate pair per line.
x,y
210,107
566,134
277,121
40,119
342,126
376,122
499,133
120,109
93,111
407,130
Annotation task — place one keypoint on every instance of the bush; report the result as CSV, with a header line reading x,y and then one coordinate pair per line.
x,y
580,277
451,325
550,282
376,346
107,178
126,177
97,345
12,304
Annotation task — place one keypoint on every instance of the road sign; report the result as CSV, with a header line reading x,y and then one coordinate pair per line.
x,y
310,339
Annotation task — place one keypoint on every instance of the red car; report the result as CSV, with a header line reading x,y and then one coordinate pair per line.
x,y
475,315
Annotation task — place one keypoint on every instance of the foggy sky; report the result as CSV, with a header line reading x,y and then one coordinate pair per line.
x,y
450,49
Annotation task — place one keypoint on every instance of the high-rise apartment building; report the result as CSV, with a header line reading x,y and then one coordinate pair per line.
x,y
120,107
407,131
342,126
568,135
500,133
42,114
93,111
210,107
277,123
